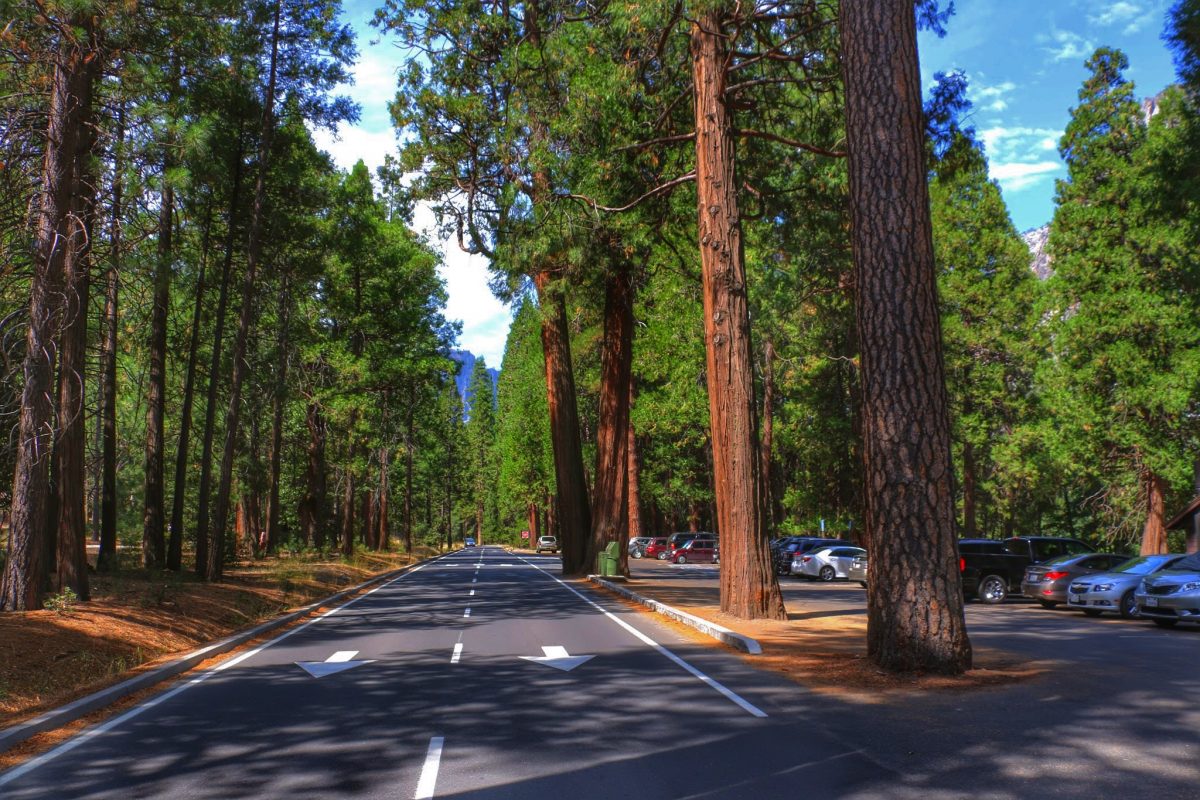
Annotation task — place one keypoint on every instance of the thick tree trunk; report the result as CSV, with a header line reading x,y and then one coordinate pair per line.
x,y
768,439
216,549
970,528
408,476
107,558
915,605
610,510
347,533
749,587
70,449
175,529
573,514
634,479
153,509
314,515
1154,534
278,403
204,489
22,583
383,523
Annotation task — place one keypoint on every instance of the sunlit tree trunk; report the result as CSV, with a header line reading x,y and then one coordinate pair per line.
x,y
107,557
1154,534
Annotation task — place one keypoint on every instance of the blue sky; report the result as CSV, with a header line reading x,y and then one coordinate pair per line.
x,y
1023,58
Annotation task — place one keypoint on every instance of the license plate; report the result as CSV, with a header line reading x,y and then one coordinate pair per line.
x,y
1077,600
1031,577
1151,601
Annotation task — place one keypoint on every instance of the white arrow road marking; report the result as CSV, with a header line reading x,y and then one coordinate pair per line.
x,y
340,661
429,772
556,656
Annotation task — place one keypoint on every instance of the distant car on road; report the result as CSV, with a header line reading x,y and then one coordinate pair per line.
x,y
1172,596
469,541
993,568
547,544
1116,591
696,551
1047,582
827,563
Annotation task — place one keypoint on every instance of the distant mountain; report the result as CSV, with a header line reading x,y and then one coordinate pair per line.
x,y
466,365
1035,240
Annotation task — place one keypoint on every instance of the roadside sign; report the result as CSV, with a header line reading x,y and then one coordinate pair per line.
x,y
524,534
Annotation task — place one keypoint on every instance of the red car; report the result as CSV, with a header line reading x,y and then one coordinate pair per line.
x,y
659,549
696,551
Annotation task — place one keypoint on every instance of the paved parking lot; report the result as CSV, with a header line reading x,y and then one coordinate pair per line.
x,y
1116,713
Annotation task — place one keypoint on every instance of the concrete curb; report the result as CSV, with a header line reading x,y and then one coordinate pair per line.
x,y
58,717
718,632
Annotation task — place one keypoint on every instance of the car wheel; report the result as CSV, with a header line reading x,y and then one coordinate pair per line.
x,y
782,570
827,573
1047,603
662,556
1165,623
862,584
1129,606
681,560
992,590
1092,612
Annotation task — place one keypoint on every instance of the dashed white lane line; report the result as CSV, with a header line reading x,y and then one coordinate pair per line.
x,y
467,613
429,772
737,699
457,653
472,594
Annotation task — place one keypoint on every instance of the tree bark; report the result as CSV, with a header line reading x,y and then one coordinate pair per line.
x,y
347,533
572,512
768,439
408,475
22,583
1154,534
749,587
106,559
278,403
610,510
915,605
383,524
175,529
970,527
314,515
216,549
634,479
70,449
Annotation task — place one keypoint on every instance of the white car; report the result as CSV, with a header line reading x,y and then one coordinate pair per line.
x,y
828,563
547,544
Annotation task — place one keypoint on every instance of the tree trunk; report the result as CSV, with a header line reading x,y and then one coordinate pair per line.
x,y
970,528
70,449
634,479
572,512
21,586
107,558
610,512
347,533
314,507
749,587
175,530
1154,534
768,438
384,534
915,606
204,490
408,476
216,549
278,402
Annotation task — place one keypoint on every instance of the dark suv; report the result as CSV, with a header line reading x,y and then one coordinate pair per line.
x,y
992,568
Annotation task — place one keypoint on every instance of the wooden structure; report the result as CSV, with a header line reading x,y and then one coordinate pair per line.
x,y
1188,520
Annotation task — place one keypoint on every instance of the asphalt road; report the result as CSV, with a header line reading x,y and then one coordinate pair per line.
x,y
425,688
1116,714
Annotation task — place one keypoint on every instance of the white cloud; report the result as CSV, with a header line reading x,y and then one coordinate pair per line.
x,y
1067,46
348,145
1018,143
990,98
1118,12
1014,177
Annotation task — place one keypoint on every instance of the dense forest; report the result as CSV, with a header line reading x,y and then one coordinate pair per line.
x,y
755,289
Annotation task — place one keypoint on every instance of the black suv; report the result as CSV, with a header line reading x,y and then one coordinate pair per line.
x,y
992,568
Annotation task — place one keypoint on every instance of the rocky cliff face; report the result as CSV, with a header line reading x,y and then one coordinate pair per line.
x,y
1035,240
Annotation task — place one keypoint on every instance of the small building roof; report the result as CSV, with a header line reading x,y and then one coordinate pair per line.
x,y
1183,520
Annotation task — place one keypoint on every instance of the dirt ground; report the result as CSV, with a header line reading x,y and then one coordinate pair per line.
x,y
138,619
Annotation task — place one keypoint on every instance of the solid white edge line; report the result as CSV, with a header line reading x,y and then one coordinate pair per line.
x,y
457,653
69,745
429,772
733,696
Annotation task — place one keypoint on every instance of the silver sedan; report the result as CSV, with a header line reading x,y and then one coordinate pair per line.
x,y
1115,591
827,564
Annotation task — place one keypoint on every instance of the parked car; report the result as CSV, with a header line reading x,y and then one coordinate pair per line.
x,y
696,551
677,540
469,541
1116,591
1172,596
1047,582
784,556
827,563
547,543
658,548
858,570
993,568
637,546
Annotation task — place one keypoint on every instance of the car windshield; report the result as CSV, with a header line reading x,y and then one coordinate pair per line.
x,y
1189,564
1142,565
1060,560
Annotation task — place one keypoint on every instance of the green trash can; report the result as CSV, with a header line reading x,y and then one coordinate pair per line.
x,y
608,562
